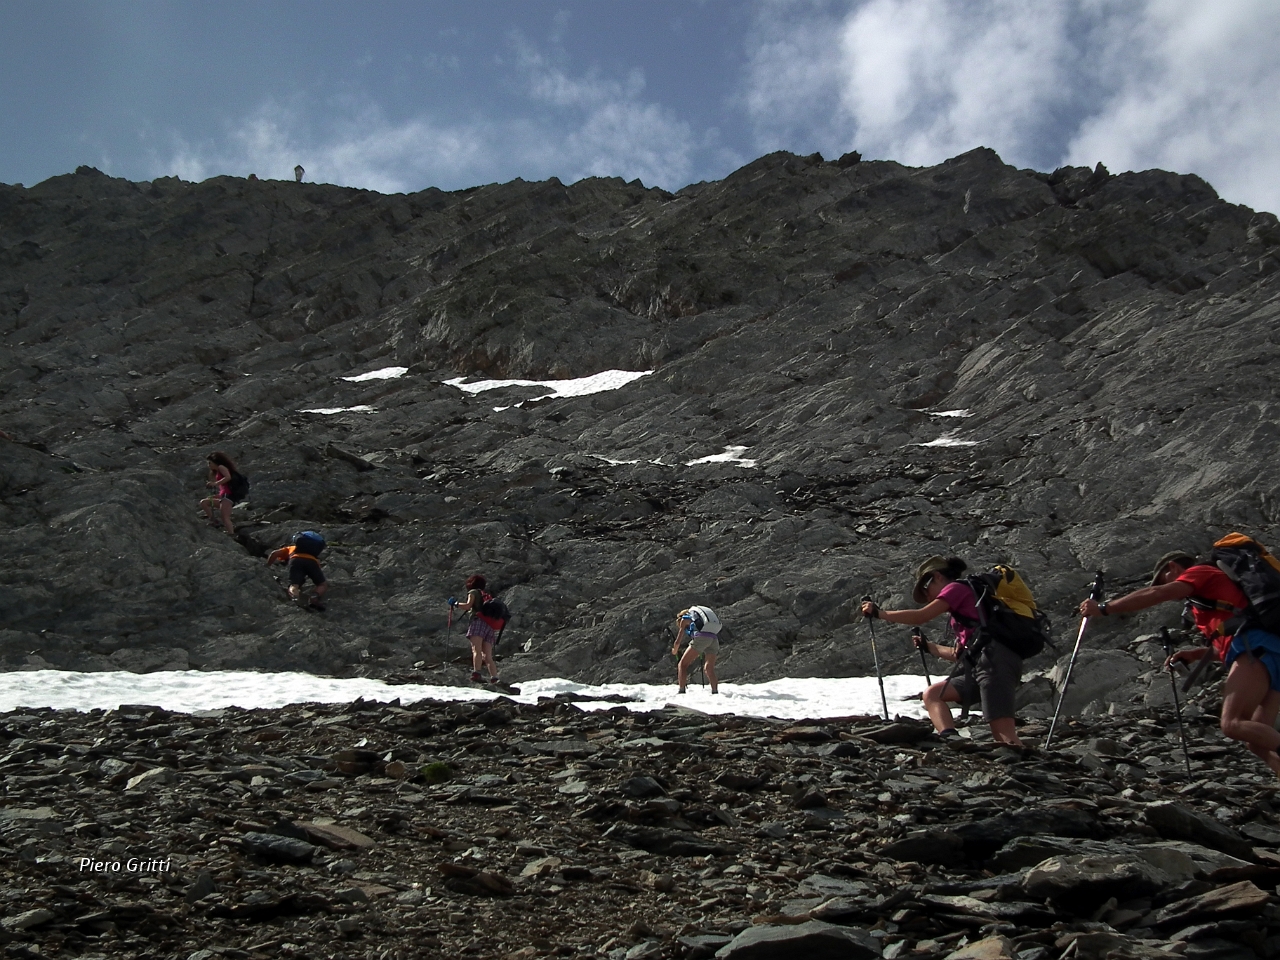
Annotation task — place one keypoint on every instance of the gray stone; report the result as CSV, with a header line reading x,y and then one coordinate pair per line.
x,y
1176,822
641,787
278,849
1080,882
814,940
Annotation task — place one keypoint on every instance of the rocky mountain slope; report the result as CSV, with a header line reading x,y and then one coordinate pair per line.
x,y
1110,340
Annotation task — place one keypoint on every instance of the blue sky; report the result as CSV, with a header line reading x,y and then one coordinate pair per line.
x,y
396,95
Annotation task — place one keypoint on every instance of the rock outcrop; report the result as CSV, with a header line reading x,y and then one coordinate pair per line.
x,y
1066,371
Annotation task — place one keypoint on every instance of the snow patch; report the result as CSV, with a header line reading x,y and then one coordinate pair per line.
x,y
386,373
577,387
732,454
358,408
948,440
951,413
188,691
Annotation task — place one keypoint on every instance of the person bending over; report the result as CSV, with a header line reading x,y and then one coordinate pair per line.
x,y
987,672
701,627
1251,694
301,556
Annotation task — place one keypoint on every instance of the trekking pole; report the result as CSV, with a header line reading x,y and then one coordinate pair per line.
x,y
1177,705
875,656
1095,595
922,642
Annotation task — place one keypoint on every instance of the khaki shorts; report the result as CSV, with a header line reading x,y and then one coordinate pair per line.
x,y
705,645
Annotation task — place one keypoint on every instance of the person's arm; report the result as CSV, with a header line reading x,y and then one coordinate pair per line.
x,y
1139,599
278,556
471,603
912,618
1190,655
939,651
675,647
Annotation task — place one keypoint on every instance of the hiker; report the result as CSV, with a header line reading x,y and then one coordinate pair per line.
x,y
986,671
303,559
1251,694
231,485
481,633
701,627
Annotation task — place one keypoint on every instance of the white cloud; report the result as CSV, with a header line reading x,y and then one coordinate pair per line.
x,y
1195,90
577,127
1179,84
913,80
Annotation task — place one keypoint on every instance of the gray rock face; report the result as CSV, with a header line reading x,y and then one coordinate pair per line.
x,y
1108,338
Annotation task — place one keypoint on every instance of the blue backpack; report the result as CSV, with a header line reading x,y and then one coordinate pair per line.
x,y
309,542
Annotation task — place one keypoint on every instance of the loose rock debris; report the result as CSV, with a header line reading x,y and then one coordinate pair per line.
x,y
378,830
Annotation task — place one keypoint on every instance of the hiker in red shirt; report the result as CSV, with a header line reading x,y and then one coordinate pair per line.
x,y
1251,695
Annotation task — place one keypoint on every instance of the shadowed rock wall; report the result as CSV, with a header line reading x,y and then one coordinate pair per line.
x,y
1113,339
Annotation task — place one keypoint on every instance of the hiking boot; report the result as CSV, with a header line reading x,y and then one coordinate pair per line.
x,y
475,676
315,604
495,681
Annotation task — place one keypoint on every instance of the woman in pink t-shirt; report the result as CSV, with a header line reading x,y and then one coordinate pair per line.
x,y
989,675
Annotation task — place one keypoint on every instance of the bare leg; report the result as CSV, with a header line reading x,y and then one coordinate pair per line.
x,y
1005,730
1247,702
477,653
709,667
225,507
682,669
487,656
936,699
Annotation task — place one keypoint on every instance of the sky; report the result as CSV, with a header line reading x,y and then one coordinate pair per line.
x,y
400,95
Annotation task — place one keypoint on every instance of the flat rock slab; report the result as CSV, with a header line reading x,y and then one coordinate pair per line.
x,y
278,849
336,837
673,843
813,940
1236,899
992,948
1175,822
1080,882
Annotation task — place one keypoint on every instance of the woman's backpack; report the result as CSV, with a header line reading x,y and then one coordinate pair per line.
x,y
1007,611
494,612
704,620
238,486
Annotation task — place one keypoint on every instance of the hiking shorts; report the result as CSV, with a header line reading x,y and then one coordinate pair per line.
x,y
1263,645
482,630
300,568
225,493
991,680
705,643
